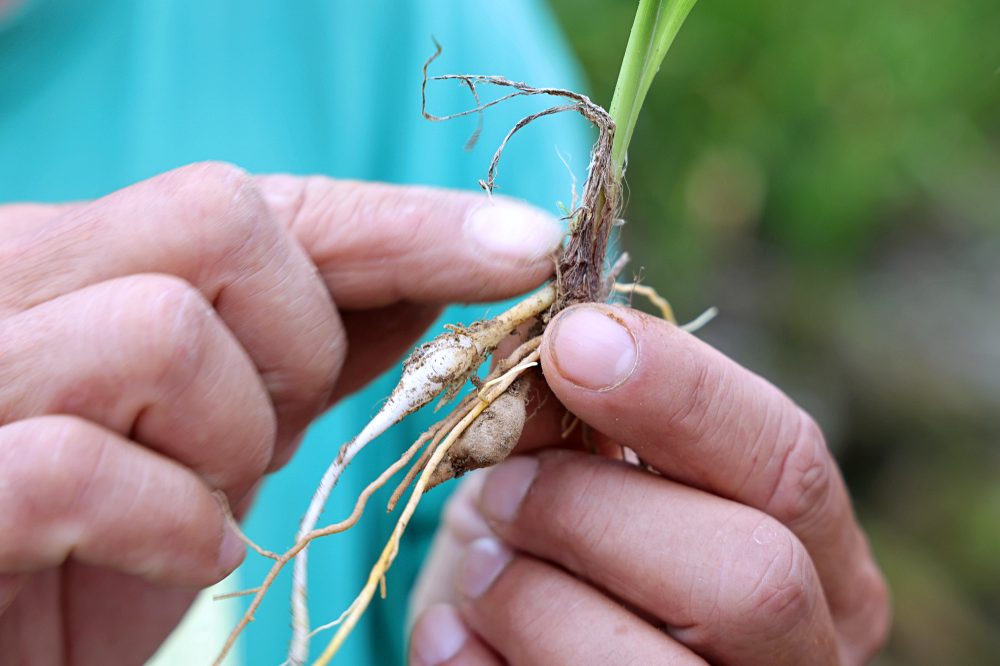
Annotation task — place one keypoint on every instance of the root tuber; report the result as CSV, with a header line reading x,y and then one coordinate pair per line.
x,y
490,438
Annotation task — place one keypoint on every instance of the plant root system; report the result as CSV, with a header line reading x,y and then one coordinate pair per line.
x,y
483,427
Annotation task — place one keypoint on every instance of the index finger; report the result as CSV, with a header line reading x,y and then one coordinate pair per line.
x,y
377,244
701,419
374,244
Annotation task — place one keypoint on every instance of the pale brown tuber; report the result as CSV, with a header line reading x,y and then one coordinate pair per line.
x,y
490,438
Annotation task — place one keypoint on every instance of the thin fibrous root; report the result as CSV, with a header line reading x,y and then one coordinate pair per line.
x,y
298,650
580,103
519,367
568,424
442,366
433,367
662,304
580,268
617,268
701,320
494,434
443,428
233,595
234,525
378,572
516,357
284,558
330,625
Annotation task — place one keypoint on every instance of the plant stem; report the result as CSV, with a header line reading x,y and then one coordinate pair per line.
x,y
653,31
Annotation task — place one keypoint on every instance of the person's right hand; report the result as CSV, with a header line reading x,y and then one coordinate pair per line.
x,y
176,337
742,548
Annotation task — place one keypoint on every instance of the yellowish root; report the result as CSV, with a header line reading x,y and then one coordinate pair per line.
x,y
280,561
650,294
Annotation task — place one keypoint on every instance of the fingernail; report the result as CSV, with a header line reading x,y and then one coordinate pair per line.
x,y
231,551
438,636
514,230
484,560
592,349
506,487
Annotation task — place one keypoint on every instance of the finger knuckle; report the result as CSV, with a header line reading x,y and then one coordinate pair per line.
x,y
456,510
261,428
49,464
81,449
401,214
225,216
315,378
541,599
220,181
598,524
802,487
406,212
211,187
229,469
585,521
310,193
57,453
772,587
700,399
171,320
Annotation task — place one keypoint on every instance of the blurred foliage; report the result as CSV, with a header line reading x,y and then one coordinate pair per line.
x,y
829,175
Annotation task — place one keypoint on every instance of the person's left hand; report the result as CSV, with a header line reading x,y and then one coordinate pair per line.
x,y
743,550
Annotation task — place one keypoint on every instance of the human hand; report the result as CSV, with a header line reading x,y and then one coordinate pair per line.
x,y
175,338
743,550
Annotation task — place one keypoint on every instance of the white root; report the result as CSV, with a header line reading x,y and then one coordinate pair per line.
x,y
434,367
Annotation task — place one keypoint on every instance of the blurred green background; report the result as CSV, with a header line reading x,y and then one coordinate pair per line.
x,y
828,175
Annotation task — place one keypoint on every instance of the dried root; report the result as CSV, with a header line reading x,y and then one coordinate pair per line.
x,y
580,270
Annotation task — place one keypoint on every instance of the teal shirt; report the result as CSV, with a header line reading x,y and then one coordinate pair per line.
x,y
97,95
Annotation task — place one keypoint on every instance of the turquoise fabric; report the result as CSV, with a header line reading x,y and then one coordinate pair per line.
x,y
97,95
